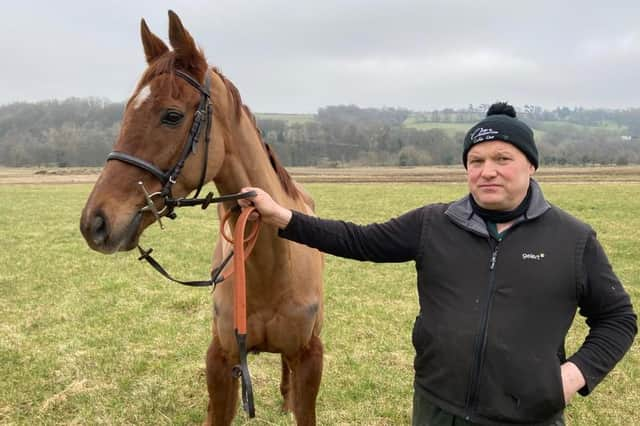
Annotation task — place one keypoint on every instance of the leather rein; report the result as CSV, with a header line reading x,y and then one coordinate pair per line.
x,y
242,246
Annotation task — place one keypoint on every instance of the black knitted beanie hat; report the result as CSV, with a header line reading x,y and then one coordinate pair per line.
x,y
501,124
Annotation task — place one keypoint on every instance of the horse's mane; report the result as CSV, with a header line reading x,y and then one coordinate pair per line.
x,y
283,175
166,64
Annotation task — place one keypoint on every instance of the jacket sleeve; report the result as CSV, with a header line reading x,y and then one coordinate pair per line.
x,y
396,240
609,315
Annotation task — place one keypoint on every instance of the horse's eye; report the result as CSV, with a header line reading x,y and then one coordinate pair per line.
x,y
172,117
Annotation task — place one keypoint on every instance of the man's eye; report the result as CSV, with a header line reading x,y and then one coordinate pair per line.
x,y
172,117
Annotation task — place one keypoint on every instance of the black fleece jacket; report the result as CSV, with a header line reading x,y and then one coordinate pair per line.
x,y
494,315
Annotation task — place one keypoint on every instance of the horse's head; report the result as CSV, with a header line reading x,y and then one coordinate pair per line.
x,y
154,140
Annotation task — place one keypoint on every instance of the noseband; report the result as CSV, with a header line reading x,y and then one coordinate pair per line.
x,y
168,178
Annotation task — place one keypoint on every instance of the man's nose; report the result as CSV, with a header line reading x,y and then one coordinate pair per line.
x,y
489,170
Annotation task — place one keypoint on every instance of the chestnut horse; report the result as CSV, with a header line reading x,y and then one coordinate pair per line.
x,y
283,279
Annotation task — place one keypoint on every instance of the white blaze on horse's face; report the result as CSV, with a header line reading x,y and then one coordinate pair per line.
x,y
142,96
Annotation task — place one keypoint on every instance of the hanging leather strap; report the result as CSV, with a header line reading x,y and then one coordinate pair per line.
x,y
240,251
146,255
224,270
240,280
240,306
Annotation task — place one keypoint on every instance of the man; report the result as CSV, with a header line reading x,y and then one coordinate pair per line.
x,y
500,275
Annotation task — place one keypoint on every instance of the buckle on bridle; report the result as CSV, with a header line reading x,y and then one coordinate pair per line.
x,y
151,206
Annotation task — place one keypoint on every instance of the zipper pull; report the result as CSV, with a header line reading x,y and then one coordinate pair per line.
x,y
493,259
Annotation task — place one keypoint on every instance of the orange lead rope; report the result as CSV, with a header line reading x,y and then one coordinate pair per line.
x,y
240,253
240,298
239,257
250,241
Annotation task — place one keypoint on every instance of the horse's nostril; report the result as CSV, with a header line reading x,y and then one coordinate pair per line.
x,y
99,229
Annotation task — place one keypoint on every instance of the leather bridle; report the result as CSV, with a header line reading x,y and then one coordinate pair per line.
x,y
168,178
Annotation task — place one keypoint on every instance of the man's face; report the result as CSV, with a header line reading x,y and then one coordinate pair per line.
x,y
498,175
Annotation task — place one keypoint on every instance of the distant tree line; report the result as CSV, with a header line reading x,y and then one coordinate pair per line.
x,y
73,132
81,132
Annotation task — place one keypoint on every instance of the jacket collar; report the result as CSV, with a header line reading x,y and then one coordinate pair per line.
x,y
461,213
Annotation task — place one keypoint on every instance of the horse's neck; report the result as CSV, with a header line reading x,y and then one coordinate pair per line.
x,y
246,162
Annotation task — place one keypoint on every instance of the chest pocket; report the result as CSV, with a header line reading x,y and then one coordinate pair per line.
x,y
536,268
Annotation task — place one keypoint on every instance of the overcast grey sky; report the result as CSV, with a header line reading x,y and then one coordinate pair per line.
x,y
298,56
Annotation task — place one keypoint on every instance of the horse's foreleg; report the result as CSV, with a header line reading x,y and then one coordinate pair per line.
x,y
222,386
306,375
285,386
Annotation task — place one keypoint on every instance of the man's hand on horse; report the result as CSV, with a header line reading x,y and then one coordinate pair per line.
x,y
270,211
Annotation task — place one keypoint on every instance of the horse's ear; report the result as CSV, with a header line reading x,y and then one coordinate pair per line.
x,y
187,53
153,46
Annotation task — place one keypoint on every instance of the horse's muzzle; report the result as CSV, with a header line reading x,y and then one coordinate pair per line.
x,y
104,236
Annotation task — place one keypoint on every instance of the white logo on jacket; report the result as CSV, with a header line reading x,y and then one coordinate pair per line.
x,y
532,256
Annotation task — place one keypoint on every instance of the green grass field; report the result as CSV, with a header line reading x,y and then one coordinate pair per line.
x,y
93,339
450,128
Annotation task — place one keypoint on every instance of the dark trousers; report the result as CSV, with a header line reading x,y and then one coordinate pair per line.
x,y
427,414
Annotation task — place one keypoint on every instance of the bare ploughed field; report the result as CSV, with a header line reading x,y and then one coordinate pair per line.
x,y
54,175
434,174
